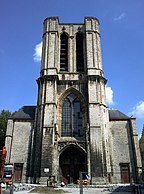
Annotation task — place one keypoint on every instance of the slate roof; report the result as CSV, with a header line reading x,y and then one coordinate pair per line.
x,y
117,115
26,112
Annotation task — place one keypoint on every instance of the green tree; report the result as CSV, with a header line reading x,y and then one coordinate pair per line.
x,y
4,115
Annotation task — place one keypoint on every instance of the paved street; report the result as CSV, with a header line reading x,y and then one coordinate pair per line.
x,y
74,189
116,189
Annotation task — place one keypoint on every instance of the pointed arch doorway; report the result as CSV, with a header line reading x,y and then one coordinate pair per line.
x,y
72,161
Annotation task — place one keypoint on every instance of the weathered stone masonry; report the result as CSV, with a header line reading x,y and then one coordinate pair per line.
x,y
72,130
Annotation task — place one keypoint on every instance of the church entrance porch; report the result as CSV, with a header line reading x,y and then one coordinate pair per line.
x,y
72,161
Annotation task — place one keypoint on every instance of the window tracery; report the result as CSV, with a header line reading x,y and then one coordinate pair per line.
x,y
72,117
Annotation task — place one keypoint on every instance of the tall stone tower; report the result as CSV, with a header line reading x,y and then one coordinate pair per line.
x,y
72,128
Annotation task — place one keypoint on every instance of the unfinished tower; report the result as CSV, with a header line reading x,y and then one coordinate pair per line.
x,y
71,129
72,115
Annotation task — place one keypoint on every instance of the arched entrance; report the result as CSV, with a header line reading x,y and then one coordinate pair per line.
x,y
72,161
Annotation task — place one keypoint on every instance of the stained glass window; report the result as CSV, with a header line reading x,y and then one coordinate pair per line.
x,y
72,117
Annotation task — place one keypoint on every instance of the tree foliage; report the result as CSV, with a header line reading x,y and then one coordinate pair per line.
x,y
4,115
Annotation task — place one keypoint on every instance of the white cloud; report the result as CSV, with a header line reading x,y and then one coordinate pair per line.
x,y
120,17
109,96
138,110
38,52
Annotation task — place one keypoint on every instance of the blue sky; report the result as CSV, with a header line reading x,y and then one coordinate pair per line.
x,y
122,41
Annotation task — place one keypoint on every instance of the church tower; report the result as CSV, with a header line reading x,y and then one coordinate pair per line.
x,y
71,134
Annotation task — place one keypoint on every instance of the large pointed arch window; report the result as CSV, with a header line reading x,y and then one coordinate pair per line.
x,y
72,117
79,52
64,52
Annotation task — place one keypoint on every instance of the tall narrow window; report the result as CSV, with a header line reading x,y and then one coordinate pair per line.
x,y
79,52
64,53
72,117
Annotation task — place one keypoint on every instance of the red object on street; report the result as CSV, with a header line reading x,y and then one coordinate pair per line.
x,y
2,162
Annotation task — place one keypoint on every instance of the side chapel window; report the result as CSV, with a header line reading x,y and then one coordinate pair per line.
x,y
64,53
72,117
79,52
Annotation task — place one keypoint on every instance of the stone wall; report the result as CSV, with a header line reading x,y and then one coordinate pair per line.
x,y
21,143
141,145
124,148
120,152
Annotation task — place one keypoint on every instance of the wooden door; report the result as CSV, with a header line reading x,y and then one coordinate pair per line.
x,y
78,168
18,173
66,173
125,174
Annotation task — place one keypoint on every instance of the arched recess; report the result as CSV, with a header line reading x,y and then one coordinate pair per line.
x,y
63,52
80,52
72,161
83,106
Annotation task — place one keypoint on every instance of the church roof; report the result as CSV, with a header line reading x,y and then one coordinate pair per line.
x,y
26,112
117,115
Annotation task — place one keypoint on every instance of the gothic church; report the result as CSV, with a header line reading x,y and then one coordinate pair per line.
x,y
71,129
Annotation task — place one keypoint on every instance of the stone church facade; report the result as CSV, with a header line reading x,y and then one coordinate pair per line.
x,y
71,129
141,145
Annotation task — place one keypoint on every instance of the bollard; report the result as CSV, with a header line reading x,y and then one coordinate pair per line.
x,y
140,189
81,184
134,189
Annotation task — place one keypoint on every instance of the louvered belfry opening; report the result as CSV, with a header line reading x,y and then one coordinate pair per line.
x,y
64,53
79,52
